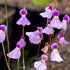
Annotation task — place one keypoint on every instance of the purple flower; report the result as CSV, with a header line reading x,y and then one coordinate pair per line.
x,y
23,20
66,18
61,39
41,65
60,35
3,29
64,22
36,36
54,46
48,30
45,49
55,22
23,12
36,39
55,56
16,53
48,12
22,41
39,29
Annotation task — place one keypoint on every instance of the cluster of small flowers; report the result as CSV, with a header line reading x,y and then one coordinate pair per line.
x,y
16,53
35,37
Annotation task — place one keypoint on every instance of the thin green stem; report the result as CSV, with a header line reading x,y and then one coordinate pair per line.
x,y
5,57
7,31
23,51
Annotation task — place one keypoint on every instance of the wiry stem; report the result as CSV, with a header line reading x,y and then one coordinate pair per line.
x,y
49,50
54,4
53,38
7,31
43,41
38,51
5,57
23,51
54,67
18,64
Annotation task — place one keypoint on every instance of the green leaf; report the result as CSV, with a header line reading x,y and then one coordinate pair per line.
x,y
42,2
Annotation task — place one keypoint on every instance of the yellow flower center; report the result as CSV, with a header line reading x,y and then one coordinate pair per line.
x,y
62,37
23,15
22,39
64,20
48,24
56,16
43,60
1,30
38,36
49,10
17,48
37,31
55,49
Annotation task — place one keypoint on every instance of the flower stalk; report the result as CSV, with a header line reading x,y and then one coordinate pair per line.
x,y
23,51
5,56
7,31
38,51
49,50
18,64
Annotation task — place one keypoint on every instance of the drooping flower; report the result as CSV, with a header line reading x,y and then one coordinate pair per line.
x,y
55,22
41,65
39,30
55,56
48,30
22,41
16,53
36,39
64,22
48,12
3,29
23,20
62,40
36,36
45,49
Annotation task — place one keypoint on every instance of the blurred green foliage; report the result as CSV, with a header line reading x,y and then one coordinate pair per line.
x,y
43,2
